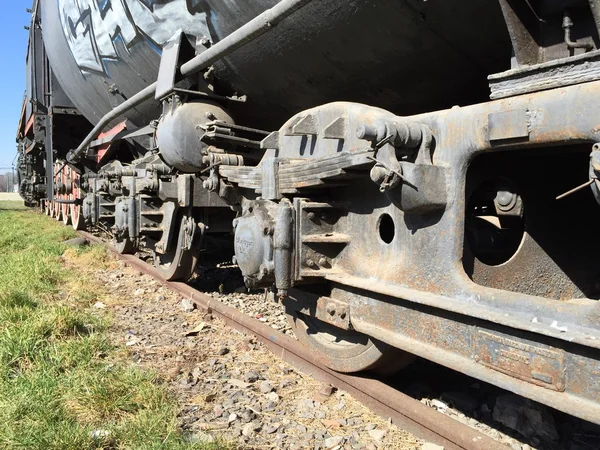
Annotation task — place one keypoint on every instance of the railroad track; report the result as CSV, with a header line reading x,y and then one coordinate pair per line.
x,y
404,411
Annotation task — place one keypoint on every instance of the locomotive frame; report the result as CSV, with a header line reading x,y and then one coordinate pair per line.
x,y
442,234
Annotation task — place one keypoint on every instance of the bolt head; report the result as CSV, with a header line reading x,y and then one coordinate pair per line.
x,y
505,198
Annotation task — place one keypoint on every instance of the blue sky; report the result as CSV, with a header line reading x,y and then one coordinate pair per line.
x,y
12,76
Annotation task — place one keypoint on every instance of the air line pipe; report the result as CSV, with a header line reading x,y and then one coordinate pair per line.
x,y
240,37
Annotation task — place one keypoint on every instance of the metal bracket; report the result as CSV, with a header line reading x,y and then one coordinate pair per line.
x,y
326,309
177,51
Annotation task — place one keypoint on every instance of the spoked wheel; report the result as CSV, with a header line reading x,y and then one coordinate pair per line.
x,y
75,210
57,207
125,246
65,213
77,219
180,262
345,351
65,210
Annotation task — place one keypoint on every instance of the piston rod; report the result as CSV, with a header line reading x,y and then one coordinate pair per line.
x,y
242,36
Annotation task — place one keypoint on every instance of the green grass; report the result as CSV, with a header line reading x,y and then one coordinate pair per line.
x,y
60,377
11,205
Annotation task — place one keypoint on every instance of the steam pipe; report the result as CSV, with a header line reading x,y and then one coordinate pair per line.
x,y
242,36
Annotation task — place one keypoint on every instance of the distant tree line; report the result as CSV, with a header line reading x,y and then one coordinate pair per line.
x,y
8,181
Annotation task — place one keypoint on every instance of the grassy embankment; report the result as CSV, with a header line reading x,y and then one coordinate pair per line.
x,y
61,380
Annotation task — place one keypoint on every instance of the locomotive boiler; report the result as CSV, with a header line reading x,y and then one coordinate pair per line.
x,y
406,177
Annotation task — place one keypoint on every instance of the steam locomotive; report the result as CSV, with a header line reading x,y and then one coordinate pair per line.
x,y
406,177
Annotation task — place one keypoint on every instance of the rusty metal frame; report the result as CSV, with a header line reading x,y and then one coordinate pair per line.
x,y
428,306
412,291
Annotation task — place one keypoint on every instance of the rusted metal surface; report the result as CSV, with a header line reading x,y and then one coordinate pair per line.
x,y
405,412
103,151
559,375
530,262
533,363
549,75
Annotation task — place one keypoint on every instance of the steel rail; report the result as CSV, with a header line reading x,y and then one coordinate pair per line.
x,y
245,34
405,412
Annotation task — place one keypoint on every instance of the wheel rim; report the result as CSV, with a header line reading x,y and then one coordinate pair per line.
x,y
77,219
125,246
180,263
56,207
65,210
57,211
342,350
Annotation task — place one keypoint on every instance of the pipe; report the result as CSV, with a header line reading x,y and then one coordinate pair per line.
x,y
240,37
74,156
567,24
243,35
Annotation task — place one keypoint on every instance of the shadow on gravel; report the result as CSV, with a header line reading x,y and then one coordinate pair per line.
x,y
488,408
215,271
